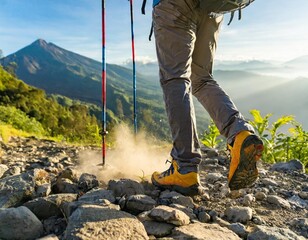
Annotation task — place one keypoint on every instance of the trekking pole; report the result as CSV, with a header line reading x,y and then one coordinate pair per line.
x,y
134,64
104,82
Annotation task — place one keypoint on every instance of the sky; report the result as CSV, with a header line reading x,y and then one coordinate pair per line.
x,y
269,29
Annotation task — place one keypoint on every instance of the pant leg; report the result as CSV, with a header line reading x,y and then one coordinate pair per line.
x,y
214,99
174,31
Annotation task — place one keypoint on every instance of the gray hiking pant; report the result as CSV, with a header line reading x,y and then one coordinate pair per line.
x,y
186,40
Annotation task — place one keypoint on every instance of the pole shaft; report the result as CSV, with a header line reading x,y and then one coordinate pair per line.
x,y
104,81
134,65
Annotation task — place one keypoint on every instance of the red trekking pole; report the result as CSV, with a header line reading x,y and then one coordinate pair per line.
x,y
104,82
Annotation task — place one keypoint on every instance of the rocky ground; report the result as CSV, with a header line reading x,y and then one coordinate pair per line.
x,y
43,196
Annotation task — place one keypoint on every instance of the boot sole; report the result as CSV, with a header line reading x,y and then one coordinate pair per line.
x,y
247,173
193,190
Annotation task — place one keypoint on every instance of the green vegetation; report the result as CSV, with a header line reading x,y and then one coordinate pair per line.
x,y
284,139
6,131
28,109
210,137
280,146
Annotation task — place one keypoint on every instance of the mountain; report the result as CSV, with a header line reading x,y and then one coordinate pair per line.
x,y
59,71
289,98
56,70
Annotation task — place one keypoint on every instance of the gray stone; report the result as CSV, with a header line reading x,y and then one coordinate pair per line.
x,y
301,225
248,199
46,207
49,237
139,203
158,229
95,222
239,229
169,194
278,201
54,225
19,223
69,173
237,193
293,165
144,216
65,185
204,217
12,171
183,200
273,233
212,152
43,190
208,161
269,182
260,196
203,231
213,177
224,191
125,187
3,169
303,195
69,208
238,214
221,222
298,201
95,196
15,190
258,220
187,210
87,182
169,215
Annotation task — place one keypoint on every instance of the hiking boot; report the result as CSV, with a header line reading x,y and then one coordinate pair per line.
x,y
245,152
172,179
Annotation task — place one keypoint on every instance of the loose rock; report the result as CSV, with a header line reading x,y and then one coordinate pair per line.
x,y
203,231
19,223
169,215
278,201
269,233
293,165
239,214
95,222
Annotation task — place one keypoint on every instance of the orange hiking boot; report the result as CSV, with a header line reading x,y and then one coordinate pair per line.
x,y
245,152
172,179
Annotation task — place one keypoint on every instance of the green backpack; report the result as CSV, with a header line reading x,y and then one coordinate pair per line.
x,y
225,6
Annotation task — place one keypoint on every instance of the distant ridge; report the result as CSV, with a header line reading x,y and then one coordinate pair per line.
x,y
59,71
56,70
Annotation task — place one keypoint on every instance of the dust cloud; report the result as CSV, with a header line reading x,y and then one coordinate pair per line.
x,y
131,156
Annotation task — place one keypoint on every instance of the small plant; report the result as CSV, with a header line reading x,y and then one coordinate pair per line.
x,y
280,145
143,178
210,136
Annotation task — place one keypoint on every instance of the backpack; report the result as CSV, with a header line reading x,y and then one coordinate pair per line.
x,y
225,6
214,7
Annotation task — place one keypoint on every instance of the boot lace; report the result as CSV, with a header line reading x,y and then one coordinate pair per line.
x,y
169,171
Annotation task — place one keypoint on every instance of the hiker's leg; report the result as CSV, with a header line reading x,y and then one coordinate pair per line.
x,y
174,32
213,98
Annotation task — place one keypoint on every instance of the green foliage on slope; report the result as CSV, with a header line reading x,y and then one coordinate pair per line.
x,y
283,139
27,108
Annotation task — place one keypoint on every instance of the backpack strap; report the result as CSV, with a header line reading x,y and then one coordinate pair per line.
x,y
143,12
143,7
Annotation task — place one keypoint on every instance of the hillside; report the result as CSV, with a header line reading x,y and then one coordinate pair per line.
x,y
58,71
29,109
61,72
289,98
